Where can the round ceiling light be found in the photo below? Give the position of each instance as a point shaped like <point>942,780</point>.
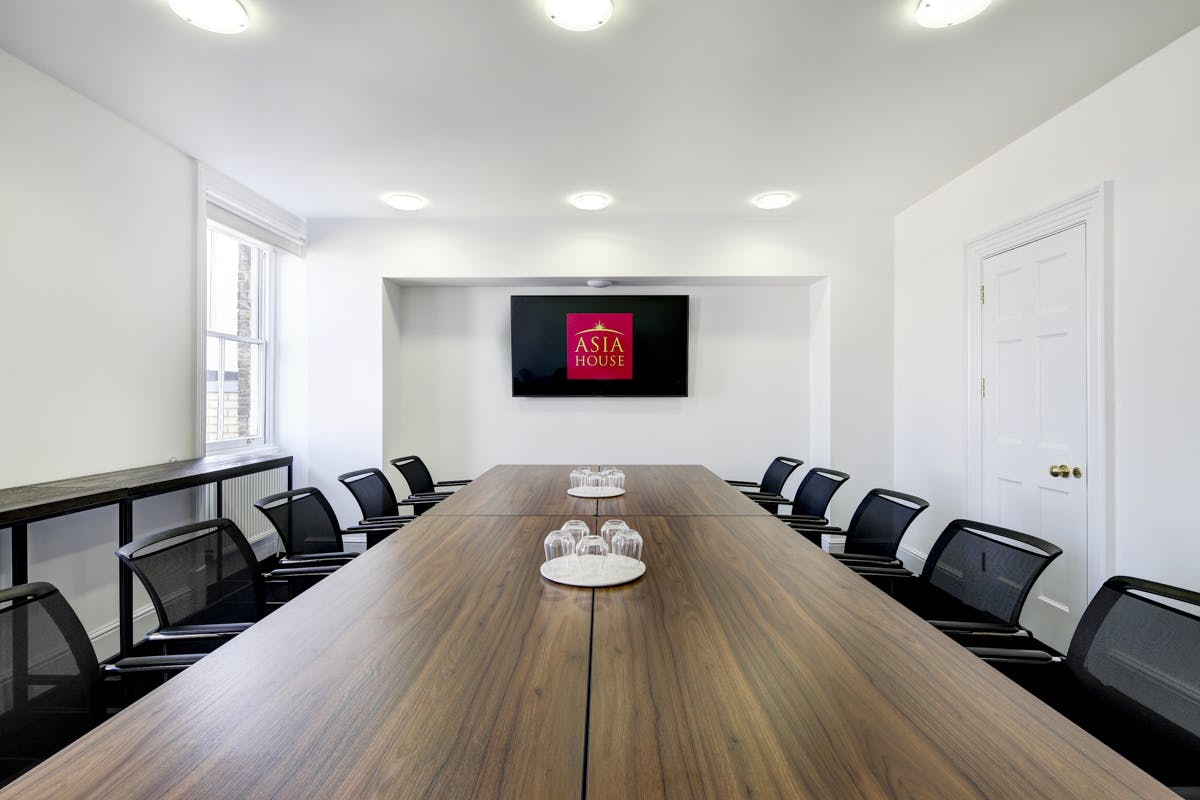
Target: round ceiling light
<point>218,16</point>
<point>579,15</point>
<point>944,13</point>
<point>590,201</point>
<point>773,200</point>
<point>405,202</point>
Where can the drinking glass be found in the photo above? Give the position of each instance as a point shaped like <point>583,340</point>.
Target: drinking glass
<point>596,480</point>
<point>579,477</point>
<point>559,544</point>
<point>615,478</point>
<point>593,553</point>
<point>577,529</point>
<point>609,528</point>
<point>628,543</point>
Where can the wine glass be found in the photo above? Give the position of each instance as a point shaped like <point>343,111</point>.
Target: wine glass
<point>628,543</point>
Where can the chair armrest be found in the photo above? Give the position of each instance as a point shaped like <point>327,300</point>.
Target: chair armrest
<point>807,526</point>
<point>451,483</point>
<point>316,559</point>
<point>768,497</point>
<point>863,558</point>
<point>152,664</point>
<point>961,627</point>
<point>297,572</point>
<point>802,519</point>
<point>375,526</point>
<point>1014,656</point>
<point>751,484</point>
<point>177,633</point>
<point>397,519</point>
<point>878,571</point>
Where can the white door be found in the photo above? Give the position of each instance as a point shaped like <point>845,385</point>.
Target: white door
<point>1034,415</point>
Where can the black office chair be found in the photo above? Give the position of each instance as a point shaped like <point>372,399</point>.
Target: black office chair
<point>422,489</point>
<point>205,582</point>
<point>813,495</point>
<point>767,491</point>
<point>309,529</point>
<point>875,530</point>
<point>975,580</point>
<point>1131,676</point>
<point>51,683</point>
<point>374,496</point>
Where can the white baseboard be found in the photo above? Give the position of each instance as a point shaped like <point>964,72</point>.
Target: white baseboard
<point>913,560</point>
<point>107,640</point>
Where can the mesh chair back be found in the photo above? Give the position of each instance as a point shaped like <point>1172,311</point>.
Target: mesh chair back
<point>777,474</point>
<point>1136,655</point>
<point>199,574</point>
<point>816,490</point>
<point>415,473</point>
<point>880,521</point>
<point>987,568</point>
<point>304,521</point>
<point>372,491</point>
<point>49,677</point>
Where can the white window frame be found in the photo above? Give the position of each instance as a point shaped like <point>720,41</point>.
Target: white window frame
<point>266,326</point>
<point>248,215</point>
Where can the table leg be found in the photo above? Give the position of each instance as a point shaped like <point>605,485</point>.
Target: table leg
<point>19,553</point>
<point>125,580</point>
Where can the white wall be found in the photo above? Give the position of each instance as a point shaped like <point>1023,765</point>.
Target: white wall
<point>349,260</point>
<point>97,241</point>
<point>448,375</point>
<point>1142,132</point>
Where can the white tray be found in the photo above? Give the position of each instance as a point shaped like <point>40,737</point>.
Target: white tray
<point>595,491</point>
<point>585,571</point>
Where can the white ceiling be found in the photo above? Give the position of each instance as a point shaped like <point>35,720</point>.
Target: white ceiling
<point>675,107</point>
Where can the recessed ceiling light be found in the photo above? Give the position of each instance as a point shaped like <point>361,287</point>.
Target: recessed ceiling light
<point>579,15</point>
<point>590,201</point>
<point>944,13</point>
<point>218,16</point>
<point>405,202</point>
<point>773,200</point>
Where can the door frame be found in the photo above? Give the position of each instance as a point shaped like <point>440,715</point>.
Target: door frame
<point>1092,209</point>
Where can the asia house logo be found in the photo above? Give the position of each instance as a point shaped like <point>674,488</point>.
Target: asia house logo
<point>599,347</point>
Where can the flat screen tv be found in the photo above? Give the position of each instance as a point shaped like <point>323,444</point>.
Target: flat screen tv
<point>615,346</point>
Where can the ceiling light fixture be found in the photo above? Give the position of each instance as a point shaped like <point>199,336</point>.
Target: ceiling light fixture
<point>773,200</point>
<point>944,13</point>
<point>218,16</point>
<point>590,201</point>
<point>599,283</point>
<point>405,202</point>
<point>579,15</point>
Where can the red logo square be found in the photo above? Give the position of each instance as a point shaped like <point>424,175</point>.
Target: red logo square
<point>599,347</point>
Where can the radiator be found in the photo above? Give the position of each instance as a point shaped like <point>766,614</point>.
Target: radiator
<point>238,496</point>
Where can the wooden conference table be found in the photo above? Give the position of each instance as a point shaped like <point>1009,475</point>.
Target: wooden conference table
<point>745,662</point>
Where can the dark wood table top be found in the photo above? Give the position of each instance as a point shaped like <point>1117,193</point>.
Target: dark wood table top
<point>746,662</point>
<point>678,490</point>
<point>518,490</point>
<point>54,498</point>
<point>438,664</point>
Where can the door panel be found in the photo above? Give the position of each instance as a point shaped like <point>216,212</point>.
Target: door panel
<point>1034,414</point>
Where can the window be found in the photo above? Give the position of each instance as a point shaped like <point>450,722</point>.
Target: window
<point>236,339</point>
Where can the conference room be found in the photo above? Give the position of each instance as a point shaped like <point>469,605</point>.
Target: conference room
<point>804,295</point>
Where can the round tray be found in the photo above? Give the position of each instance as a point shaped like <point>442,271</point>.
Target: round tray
<point>581,570</point>
<point>595,491</point>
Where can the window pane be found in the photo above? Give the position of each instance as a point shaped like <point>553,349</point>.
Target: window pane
<point>233,283</point>
<point>212,388</point>
<point>242,391</point>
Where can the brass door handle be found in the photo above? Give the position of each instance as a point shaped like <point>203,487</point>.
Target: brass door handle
<point>1077,472</point>
<point>1060,471</point>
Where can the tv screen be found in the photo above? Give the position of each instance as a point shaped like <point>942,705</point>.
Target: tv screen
<point>616,345</point>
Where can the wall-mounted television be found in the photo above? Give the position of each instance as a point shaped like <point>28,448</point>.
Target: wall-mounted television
<point>615,345</point>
